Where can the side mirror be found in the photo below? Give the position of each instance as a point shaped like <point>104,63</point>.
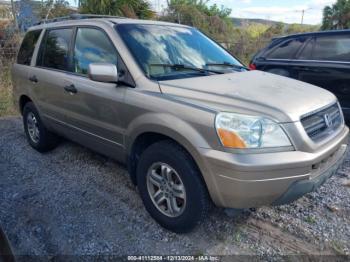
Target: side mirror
<point>103,72</point>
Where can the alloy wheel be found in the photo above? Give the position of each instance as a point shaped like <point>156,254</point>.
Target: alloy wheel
<point>166,189</point>
<point>33,127</point>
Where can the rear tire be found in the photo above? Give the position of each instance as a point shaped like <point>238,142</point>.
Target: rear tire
<point>38,136</point>
<point>183,187</point>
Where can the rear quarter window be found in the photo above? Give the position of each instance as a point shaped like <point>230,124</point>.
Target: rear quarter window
<point>286,50</point>
<point>306,52</point>
<point>27,48</point>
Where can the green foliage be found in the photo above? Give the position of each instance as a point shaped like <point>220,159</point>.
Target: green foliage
<point>298,28</point>
<point>310,220</point>
<point>337,16</point>
<point>256,30</point>
<point>212,20</point>
<point>6,100</point>
<point>200,5</point>
<point>248,40</point>
<point>128,8</point>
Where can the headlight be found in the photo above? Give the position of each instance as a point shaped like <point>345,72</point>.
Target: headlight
<point>243,131</point>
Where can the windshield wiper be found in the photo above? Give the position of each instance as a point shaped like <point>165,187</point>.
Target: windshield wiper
<point>184,67</point>
<point>228,65</point>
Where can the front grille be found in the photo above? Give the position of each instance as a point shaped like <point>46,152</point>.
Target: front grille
<point>323,123</point>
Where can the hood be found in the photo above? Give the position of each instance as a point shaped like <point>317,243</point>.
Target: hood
<point>252,92</point>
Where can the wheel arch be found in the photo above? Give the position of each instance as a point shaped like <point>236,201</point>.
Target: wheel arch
<point>23,100</point>
<point>150,129</point>
<point>146,139</point>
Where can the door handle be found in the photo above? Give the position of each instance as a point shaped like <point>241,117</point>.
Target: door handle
<point>33,79</point>
<point>308,69</point>
<point>71,89</point>
<point>302,68</point>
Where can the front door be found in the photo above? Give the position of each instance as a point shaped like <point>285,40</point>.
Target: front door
<point>327,64</point>
<point>94,109</point>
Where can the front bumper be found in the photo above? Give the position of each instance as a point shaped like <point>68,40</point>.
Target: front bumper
<point>302,187</point>
<point>252,180</point>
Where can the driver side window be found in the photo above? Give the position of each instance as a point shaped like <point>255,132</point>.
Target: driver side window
<point>92,46</point>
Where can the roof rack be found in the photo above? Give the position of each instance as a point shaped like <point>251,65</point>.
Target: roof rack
<point>75,16</point>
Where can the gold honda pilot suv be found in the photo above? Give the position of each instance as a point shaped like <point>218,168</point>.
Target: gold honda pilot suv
<point>193,125</point>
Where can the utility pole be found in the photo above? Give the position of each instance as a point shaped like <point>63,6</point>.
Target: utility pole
<point>14,14</point>
<point>302,16</point>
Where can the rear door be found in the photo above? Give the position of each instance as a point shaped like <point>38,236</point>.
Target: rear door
<point>325,62</point>
<point>52,67</point>
<point>302,66</point>
<point>22,69</point>
<point>277,60</point>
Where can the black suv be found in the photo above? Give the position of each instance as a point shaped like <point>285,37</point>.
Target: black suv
<point>319,58</point>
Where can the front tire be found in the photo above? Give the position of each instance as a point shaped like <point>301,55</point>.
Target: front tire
<point>38,136</point>
<point>171,187</point>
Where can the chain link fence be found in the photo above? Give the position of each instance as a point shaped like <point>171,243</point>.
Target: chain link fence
<point>245,49</point>
<point>9,44</point>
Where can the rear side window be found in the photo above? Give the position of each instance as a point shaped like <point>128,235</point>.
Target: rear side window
<point>332,48</point>
<point>55,49</point>
<point>306,52</point>
<point>286,50</point>
<point>27,48</point>
<point>92,46</point>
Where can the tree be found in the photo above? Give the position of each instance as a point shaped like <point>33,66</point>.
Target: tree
<point>128,8</point>
<point>337,16</point>
<point>327,22</point>
<point>55,8</point>
<point>177,6</point>
<point>212,20</point>
<point>14,14</point>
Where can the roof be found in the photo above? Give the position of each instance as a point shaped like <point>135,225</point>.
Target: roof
<point>328,32</point>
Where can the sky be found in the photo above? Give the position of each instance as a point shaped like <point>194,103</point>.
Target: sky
<point>288,11</point>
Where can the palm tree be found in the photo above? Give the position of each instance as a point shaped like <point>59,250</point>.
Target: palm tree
<point>337,16</point>
<point>327,22</point>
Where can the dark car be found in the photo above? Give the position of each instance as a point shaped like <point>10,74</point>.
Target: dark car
<point>319,58</point>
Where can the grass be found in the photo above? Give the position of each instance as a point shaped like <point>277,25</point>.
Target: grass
<point>310,220</point>
<point>7,107</point>
<point>238,237</point>
<point>337,247</point>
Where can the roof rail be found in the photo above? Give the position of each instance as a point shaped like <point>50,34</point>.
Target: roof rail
<point>75,16</point>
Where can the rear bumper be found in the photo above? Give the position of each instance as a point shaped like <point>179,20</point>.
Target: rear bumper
<point>252,180</point>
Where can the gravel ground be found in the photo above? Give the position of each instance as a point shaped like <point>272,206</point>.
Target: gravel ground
<point>73,201</point>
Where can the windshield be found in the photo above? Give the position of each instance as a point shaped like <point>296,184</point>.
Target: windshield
<point>172,52</point>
